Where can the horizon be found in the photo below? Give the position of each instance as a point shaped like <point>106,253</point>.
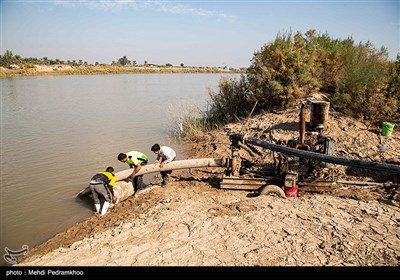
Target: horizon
<point>194,33</point>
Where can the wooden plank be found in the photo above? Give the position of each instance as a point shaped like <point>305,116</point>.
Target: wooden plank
<point>240,187</point>
<point>314,189</point>
<point>243,181</point>
<point>326,184</point>
<point>359,183</point>
<point>240,183</point>
<point>316,186</point>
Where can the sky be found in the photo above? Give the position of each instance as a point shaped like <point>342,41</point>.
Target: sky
<point>195,33</point>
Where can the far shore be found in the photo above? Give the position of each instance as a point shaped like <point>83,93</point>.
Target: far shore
<point>62,69</point>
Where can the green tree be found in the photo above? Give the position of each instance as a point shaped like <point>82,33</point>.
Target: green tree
<point>7,59</point>
<point>123,60</point>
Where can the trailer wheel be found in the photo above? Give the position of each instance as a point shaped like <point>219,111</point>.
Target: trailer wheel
<point>273,189</point>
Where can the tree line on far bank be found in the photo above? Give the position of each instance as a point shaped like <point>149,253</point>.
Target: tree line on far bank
<point>8,59</point>
<point>358,79</point>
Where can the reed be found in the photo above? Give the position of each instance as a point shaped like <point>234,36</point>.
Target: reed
<point>190,123</point>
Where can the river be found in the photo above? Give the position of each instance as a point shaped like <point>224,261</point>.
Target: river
<point>58,131</point>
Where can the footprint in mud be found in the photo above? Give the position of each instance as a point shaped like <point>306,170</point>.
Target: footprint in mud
<point>216,212</point>
<point>233,209</point>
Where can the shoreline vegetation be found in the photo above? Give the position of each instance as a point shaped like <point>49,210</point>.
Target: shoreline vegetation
<point>358,80</point>
<point>17,70</point>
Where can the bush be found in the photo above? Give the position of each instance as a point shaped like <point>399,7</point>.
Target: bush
<point>233,101</point>
<point>363,90</point>
<point>359,79</point>
<point>280,72</point>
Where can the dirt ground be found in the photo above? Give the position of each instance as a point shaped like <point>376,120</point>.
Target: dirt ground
<point>193,222</point>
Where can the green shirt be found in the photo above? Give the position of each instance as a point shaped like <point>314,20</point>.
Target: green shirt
<point>134,158</point>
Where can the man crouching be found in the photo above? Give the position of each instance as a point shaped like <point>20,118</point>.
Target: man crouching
<point>102,185</point>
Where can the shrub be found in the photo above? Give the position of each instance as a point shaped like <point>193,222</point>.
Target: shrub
<point>233,101</point>
<point>359,79</point>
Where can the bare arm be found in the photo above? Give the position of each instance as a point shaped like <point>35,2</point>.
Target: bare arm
<point>136,170</point>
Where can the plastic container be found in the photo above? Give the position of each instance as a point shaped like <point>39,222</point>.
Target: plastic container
<point>387,128</point>
<point>291,191</point>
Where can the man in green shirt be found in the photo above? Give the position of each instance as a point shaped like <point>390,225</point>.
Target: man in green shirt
<point>135,160</point>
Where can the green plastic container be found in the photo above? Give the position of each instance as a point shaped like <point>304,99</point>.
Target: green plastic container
<point>387,128</point>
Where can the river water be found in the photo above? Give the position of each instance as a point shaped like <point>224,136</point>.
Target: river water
<point>57,132</point>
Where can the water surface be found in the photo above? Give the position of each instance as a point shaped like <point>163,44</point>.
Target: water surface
<point>57,132</point>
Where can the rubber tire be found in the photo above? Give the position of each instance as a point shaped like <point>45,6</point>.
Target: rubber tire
<point>273,189</point>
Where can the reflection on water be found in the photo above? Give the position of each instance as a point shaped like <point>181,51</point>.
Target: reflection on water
<point>57,132</point>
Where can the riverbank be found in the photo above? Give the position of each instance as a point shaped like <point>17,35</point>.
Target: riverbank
<point>194,223</point>
<point>61,69</point>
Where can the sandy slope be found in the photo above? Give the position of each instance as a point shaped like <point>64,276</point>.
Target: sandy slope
<point>198,225</point>
<point>193,222</point>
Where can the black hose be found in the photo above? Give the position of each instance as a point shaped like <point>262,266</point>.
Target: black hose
<point>380,166</point>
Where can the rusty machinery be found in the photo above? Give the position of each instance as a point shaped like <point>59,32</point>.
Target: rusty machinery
<point>297,162</point>
<point>293,167</point>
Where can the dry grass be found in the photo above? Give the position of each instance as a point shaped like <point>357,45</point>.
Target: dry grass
<point>189,123</point>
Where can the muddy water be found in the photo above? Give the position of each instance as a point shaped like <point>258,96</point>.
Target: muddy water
<point>56,132</point>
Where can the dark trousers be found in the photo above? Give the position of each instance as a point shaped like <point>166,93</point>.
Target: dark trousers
<point>137,182</point>
<point>165,174</point>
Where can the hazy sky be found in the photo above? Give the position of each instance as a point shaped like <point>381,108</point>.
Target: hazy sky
<point>196,33</point>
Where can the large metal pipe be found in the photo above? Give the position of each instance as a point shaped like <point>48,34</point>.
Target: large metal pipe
<point>123,189</point>
<point>379,166</point>
<point>179,164</point>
